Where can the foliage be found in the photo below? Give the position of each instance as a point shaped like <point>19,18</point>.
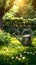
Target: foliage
<point>18,24</point>
<point>15,53</point>
<point>35,33</point>
<point>18,55</point>
<point>4,38</point>
<point>21,8</point>
<point>12,52</point>
<point>18,11</point>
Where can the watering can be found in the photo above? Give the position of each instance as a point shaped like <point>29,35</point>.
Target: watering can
<point>26,37</point>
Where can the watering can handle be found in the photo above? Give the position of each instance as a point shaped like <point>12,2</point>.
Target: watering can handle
<point>25,30</point>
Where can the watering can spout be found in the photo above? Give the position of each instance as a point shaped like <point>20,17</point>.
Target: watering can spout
<point>20,39</point>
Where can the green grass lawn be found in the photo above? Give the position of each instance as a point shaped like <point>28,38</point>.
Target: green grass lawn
<point>17,54</point>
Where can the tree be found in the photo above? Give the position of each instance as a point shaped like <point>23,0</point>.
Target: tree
<point>22,6</point>
<point>19,8</point>
<point>4,6</point>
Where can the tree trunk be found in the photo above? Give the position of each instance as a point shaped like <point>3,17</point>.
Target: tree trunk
<point>34,4</point>
<point>2,8</point>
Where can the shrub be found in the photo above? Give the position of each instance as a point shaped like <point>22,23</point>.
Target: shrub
<point>4,38</point>
<point>11,25</point>
<point>35,33</point>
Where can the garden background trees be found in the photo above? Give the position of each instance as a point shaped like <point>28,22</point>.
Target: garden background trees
<point>20,7</point>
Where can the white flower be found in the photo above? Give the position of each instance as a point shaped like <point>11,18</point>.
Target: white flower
<point>16,57</point>
<point>19,58</point>
<point>23,58</point>
<point>33,53</point>
<point>24,52</point>
<point>20,55</point>
<point>12,57</point>
<point>27,52</point>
